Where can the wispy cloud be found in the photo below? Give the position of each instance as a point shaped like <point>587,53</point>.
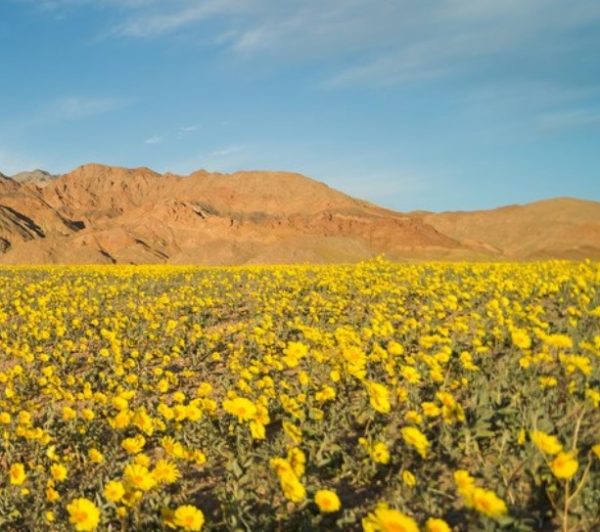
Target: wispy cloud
<point>226,151</point>
<point>168,17</point>
<point>156,139</point>
<point>61,110</point>
<point>522,111</point>
<point>363,43</point>
<point>569,119</point>
<point>189,129</point>
<point>77,107</point>
<point>520,94</point>
<point>178,134</point>
<point>459,36</point>
<point>224,159</point>
<point>421,61</point>
<point>184,131</point>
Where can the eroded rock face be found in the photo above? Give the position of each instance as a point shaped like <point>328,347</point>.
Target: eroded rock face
<point>103,214</point>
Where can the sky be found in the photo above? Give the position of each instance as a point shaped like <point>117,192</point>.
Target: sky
<point>412,104</point>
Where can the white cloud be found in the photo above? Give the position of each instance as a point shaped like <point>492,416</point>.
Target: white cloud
<point>57,5</point>
<point>169,17</point>
<point>76,107</point>
<point>380,42</point>
<point>66,109</point>
<point>425,60</point>
<point>528,94</point>
<point>226,159</point>
<point>224,152</point>
<point>518,111</point>
<point>555,122</point>
<point>181,132</point>
<point>189,129</point>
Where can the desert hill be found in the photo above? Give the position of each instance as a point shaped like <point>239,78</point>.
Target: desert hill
<point>103,214</point>
<point>561,227</point>
<point>39,177</point>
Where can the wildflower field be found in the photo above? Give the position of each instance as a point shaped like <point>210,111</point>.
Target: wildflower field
<point>376,397</point>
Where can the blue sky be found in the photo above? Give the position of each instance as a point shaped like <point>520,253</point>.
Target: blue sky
<point>413,104</point>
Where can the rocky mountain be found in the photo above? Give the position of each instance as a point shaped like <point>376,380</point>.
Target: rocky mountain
<point>103,214</point>
<point>39,177</point>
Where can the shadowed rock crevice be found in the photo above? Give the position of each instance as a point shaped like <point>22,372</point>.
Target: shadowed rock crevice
<point>108,256</point>
<point>152,250</point>
<point>30,228</point>
<point>5,245</point>
<point>74,225</point>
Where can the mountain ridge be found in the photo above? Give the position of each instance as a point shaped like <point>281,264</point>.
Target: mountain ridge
<point>105,214</point>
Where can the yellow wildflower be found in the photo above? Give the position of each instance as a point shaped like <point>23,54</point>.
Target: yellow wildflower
<point>564,465</point>
<point>165,472</point>
<point>114,491</point>
<point>385,519</point>
<point>189,518</point>
<point>17,474</point>
<point>379,397</point>
<point>83,514</point>
<point>139,477</point>
<point>437,525</point>
<point>58,472</point>
<point>415,438</point>
<point>327,501</point>
<point>240,407</point>
<point>545,442</point>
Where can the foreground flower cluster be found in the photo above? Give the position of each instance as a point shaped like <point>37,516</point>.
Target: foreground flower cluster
<point>376,397</point>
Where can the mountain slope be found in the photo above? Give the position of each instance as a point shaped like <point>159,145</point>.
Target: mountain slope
<point>561,227</point>
<point>103,214</point>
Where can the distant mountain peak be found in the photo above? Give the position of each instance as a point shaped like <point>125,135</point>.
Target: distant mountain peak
<point>38,177</point>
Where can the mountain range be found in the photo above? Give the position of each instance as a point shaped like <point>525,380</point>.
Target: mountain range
<point>104,214</point>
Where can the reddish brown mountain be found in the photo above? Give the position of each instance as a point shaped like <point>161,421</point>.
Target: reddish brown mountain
<point>102,214</point>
